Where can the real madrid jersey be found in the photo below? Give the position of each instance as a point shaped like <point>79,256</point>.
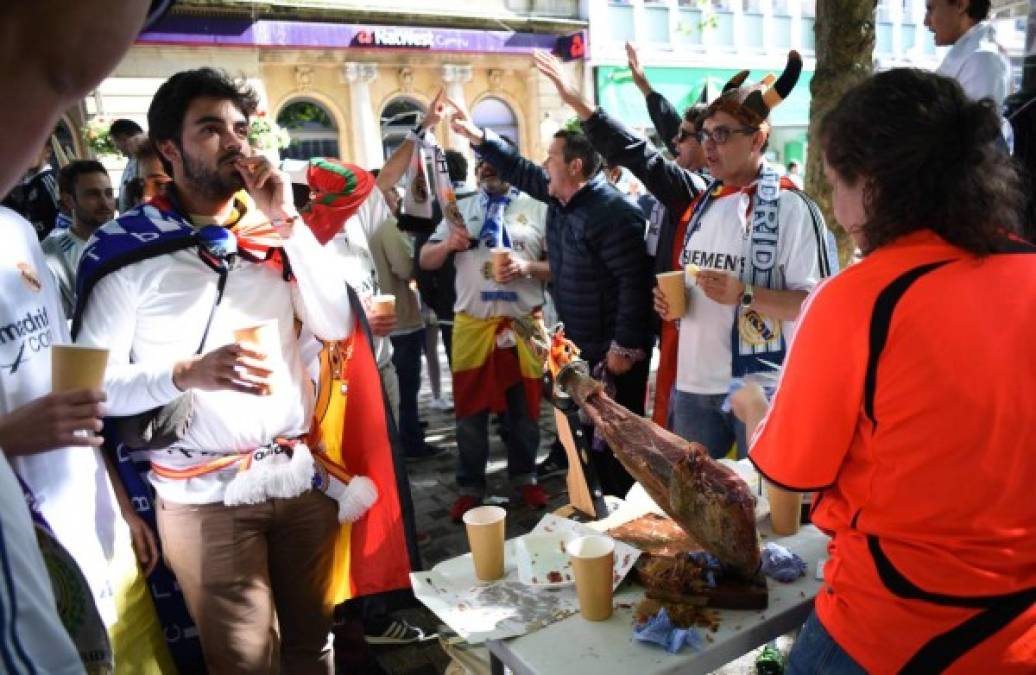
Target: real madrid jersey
<point>477,293</point>
<point>720,243</point>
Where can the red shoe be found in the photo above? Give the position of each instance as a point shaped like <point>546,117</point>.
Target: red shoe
<point>534,496</point>
<point>463,504</point>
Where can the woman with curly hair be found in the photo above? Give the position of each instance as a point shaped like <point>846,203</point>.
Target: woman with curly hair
<point>908,400</point>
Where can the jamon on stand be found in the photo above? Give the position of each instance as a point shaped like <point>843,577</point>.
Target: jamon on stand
<point>704,497</point>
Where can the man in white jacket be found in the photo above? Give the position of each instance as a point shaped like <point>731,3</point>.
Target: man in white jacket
<point>975,59</point>
<point>169,323</point>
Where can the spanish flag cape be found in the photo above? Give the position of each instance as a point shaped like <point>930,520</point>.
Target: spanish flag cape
<point>376,553</point>
<point>482,373</point>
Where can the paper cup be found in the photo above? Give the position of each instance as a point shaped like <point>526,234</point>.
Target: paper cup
<point>485,525</point>
<point>593,561</point>
<point>501,257</point>
<point>266,337</point>
<point>384,305</point>
<point>675,291</point>
<point>73,367</point>
<point>785,510</point>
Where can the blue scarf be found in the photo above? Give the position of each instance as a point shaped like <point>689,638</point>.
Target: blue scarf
<point>757,341</point>
<point>494,232</point>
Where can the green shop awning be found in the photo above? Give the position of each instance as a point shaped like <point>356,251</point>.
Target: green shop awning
<point>617,94</point>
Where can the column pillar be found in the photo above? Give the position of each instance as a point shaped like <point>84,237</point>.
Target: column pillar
<point>365,129</point>
<point>455,76</point>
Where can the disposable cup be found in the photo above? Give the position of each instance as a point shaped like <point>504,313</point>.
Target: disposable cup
<point>593,561</point>
<point>485,526</point>
<point>74,367</point>
<point>675,291</point>
<point>501,258</point>
<point>265,336</point>
<point>384,304</point>
<point>785,510</point>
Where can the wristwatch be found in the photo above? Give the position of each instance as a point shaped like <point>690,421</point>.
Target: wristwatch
<point>747,296</point>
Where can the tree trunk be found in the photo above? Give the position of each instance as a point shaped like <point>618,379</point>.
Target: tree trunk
<point>844,32</point>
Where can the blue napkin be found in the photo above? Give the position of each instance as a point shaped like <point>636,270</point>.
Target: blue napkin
<point>781,564</point>
<point>659,629</point>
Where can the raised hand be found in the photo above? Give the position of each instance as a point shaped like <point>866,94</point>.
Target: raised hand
<point>53,421</point>
<point>460,122</point>
<point>552,69</point>
<point>639,79</point>
<point>436,110</point>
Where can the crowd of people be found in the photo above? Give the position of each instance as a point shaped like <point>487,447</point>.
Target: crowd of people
<point>241,477</point>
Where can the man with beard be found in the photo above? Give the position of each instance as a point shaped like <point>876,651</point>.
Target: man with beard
<point>242,529</point>
<point>493,368</point>
<point>86,191</point>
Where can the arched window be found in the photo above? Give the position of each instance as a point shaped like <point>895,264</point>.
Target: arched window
<point>400,115</point>
<point>312,130</point>
<point>493,113</point>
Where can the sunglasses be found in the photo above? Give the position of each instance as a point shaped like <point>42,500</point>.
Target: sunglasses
<point>721,135</point>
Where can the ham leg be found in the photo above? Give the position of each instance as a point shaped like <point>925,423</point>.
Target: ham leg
<point>705,498</point>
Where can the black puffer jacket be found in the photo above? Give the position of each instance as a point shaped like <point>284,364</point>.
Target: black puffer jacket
<point>600,273</point>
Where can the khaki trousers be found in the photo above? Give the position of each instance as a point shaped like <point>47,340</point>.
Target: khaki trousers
<point>245,569</point>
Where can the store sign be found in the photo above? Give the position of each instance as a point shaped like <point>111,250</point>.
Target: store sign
<point>223,32</point>
<point>405,38</point>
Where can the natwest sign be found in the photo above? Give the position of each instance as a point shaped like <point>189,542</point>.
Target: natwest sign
<point>406,38</point>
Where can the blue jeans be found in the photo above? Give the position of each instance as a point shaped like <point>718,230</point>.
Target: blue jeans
<point>699,418</point>
<point>523,440</point>
<point>406,357</point>
<point>815,651</point>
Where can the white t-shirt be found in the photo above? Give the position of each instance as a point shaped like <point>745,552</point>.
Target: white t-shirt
<point>71,485</point>
<point>352,244</point>
<point>62,249</point>
<point>704,357</point>
<point>477,293</point>
<point>26,595</point>
<point>151,314</point>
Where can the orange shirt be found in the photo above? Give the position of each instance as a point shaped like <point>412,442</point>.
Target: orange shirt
<point>926,466</point>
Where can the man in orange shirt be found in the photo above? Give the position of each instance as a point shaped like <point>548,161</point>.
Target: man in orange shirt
<point>908,397</point>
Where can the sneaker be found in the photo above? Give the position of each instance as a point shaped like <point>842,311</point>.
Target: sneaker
<point>396,632</point>
<point>550,467</point>
<point>441,404</point>
<point>534,496</point>
<point>463,504</point>
<point>424,451</point>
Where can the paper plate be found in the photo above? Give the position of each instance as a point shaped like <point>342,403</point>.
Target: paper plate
<point>542,560</point>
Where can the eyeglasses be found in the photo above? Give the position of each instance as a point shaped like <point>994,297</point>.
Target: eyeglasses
<point>683,134</point>
<point>721,135</point>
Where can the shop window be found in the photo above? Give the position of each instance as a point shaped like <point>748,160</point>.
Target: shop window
<point>492,113</point>
<point>399,116</point>
<point>312,129</point>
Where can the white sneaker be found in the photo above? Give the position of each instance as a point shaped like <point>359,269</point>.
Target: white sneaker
<point>441,404</point>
